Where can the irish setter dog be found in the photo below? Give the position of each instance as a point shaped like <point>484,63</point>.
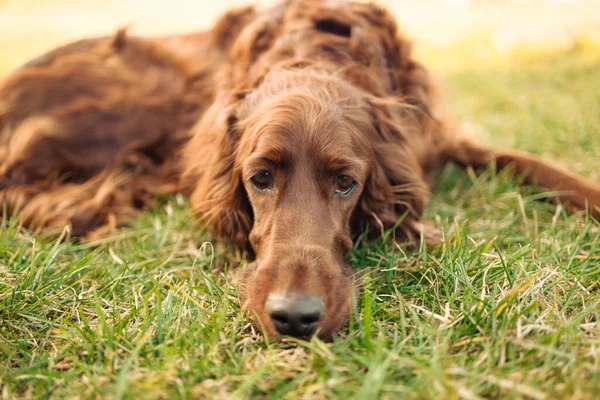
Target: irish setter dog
<point>292,130</point>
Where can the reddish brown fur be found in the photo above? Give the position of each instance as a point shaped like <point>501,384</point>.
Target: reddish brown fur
<point>308,90</point>
<point>90,132</point>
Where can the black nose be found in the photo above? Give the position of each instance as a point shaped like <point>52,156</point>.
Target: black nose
<point>295,315</point>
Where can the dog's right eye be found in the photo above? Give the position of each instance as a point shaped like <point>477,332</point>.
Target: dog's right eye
<point>344,184</point>
<point>263,180</point>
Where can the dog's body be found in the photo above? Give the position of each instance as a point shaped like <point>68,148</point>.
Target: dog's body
<point>92,131</point>
<point>315,125</point>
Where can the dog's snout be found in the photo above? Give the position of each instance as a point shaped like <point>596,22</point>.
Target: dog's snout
<point>295,315</point>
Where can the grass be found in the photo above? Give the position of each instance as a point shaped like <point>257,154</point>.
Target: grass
<point>507,307</point>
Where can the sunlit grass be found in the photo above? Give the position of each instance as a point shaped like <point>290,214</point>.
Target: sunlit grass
<point>507,307</point>
<point>540,100</point>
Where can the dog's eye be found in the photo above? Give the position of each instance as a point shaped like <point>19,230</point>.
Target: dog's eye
<point>344,185</point>
<point>263,180</point>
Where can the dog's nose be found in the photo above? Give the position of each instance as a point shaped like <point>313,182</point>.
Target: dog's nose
<point>295,315</point>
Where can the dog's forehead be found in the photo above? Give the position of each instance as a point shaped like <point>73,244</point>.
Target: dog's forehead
<point>322,140</point>
<point>306,125</point>
<point>310,155</point>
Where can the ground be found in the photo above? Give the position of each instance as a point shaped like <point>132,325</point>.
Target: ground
<point>507,307</point>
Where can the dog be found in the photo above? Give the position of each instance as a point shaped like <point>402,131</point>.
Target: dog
<point>293,130</point>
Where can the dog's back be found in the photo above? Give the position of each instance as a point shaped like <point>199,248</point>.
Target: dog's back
<point>90,131</point>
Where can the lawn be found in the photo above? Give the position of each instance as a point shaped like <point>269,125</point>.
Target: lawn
<point>507,307</point>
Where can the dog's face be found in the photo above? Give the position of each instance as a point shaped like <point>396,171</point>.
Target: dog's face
<point>303,166</point>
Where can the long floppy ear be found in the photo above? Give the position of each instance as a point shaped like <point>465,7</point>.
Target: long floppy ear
<point>215,187</point>
<point>396,192</point>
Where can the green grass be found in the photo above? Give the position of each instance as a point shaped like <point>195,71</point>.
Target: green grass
<point>507,307</point>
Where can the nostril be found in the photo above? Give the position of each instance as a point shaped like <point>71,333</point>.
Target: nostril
<point>295,315</point>
<point>279,317</point>
<point>281,321</point>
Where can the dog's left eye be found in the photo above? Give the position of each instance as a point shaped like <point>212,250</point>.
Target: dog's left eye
<point>344,185</point>
<point>263,180</point>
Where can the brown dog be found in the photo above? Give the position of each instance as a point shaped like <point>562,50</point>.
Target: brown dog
<point>316,125</point>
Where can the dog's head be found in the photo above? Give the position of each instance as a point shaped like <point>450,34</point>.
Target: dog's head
<point>294,170</point>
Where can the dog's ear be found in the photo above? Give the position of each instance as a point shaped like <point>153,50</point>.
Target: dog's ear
<point>396,191</point>
<point>215,187</point>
